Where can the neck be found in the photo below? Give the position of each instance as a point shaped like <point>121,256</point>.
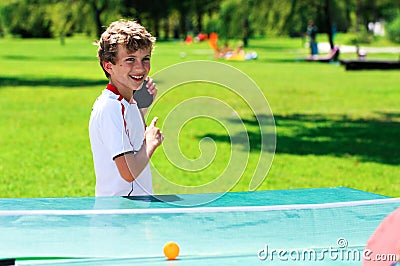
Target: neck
<point>126,95</point>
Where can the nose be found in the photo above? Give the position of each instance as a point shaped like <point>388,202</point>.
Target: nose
<point>139,66</point>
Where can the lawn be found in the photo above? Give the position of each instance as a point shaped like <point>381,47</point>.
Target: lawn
<point>333,127</point>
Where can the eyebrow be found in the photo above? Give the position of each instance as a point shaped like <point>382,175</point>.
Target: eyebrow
<point>131,55</point>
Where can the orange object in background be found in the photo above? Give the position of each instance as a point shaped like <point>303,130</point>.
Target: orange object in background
<point>213,41</point>
<point>189,39</point>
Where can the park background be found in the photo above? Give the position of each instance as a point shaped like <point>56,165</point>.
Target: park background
<point>334,127</point>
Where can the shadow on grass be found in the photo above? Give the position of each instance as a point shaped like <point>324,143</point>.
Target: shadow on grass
<point>52,58</point>
<point>370,140</point>
<point>51,82</point>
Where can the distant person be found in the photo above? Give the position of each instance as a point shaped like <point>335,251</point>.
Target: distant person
<point>238,54</point>
<point>312,36</point>
<point>121,143</point>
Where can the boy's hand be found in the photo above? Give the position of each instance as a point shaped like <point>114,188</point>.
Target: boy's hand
<point>151,87</point>
<point>153,137</point>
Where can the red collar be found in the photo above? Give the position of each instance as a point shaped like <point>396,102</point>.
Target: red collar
<point>112,88</point>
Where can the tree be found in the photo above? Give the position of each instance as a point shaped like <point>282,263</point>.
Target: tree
<point>393,29</point>
<point>150,14</point>
<point>289,21</point>
<point>64,16</point>
<point>328,19</point>
<point>202,8</point>
<point>98,7</point>
<point>183,7</point>
<point>231,18</point>
<point>26,18</point>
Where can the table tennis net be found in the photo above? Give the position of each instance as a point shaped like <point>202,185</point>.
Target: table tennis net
<point>245,234</point>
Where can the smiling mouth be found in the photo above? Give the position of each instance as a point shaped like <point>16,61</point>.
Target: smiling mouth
<point>137,78</point>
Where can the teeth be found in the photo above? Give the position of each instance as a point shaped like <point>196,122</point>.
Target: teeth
<point>137,77</point>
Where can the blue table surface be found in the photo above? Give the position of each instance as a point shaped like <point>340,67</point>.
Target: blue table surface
<point>226,238</point>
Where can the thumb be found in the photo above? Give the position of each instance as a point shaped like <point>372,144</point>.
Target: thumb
<point>154,121</point>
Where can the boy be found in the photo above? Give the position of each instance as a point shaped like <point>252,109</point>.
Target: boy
<point>121,143</point>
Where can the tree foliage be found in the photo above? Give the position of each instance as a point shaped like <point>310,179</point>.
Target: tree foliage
<point>178,18</point>
<point>393,29</point>
<point>26,18</point>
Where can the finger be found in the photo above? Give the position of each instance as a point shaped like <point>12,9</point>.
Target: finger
<point>150,85</point>
<point>149,81</point>
<point>154,121</point>
<point>151,88</point>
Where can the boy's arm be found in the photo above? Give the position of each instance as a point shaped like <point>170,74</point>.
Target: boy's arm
<point>143,111</point>
<point>131,165</point>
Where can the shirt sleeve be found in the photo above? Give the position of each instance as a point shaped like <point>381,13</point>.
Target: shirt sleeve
<point>112,130</point>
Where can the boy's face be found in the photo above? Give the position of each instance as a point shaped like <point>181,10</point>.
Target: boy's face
<point>130,68</point>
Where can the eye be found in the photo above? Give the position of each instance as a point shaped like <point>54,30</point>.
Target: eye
<point>146,59</point>
<point>130,59</point>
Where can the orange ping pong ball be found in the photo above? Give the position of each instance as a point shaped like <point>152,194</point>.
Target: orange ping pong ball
<point>171,250</point>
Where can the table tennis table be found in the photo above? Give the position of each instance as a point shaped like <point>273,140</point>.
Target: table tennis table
<point>316,226</point>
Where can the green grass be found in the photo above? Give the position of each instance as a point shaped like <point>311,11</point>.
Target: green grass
<point>334,128</point>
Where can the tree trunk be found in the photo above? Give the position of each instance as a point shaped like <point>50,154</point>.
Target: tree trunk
<point>156,22</point>
<point>246,29</point>
<point>199,22</point>
<point>289,19</point>
<point>97,20</point>
<point>166,29</point>
<point>327,10</point>
<point>182,24</point>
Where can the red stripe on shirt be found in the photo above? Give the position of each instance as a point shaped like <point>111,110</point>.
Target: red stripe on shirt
<point>114,89</point>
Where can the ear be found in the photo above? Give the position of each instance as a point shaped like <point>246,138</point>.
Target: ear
<point>107,66</point>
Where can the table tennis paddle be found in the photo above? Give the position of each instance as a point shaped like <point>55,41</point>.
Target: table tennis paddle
<point>142,96</point>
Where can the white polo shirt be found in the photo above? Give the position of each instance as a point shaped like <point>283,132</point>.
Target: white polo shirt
<point>116,127</point>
